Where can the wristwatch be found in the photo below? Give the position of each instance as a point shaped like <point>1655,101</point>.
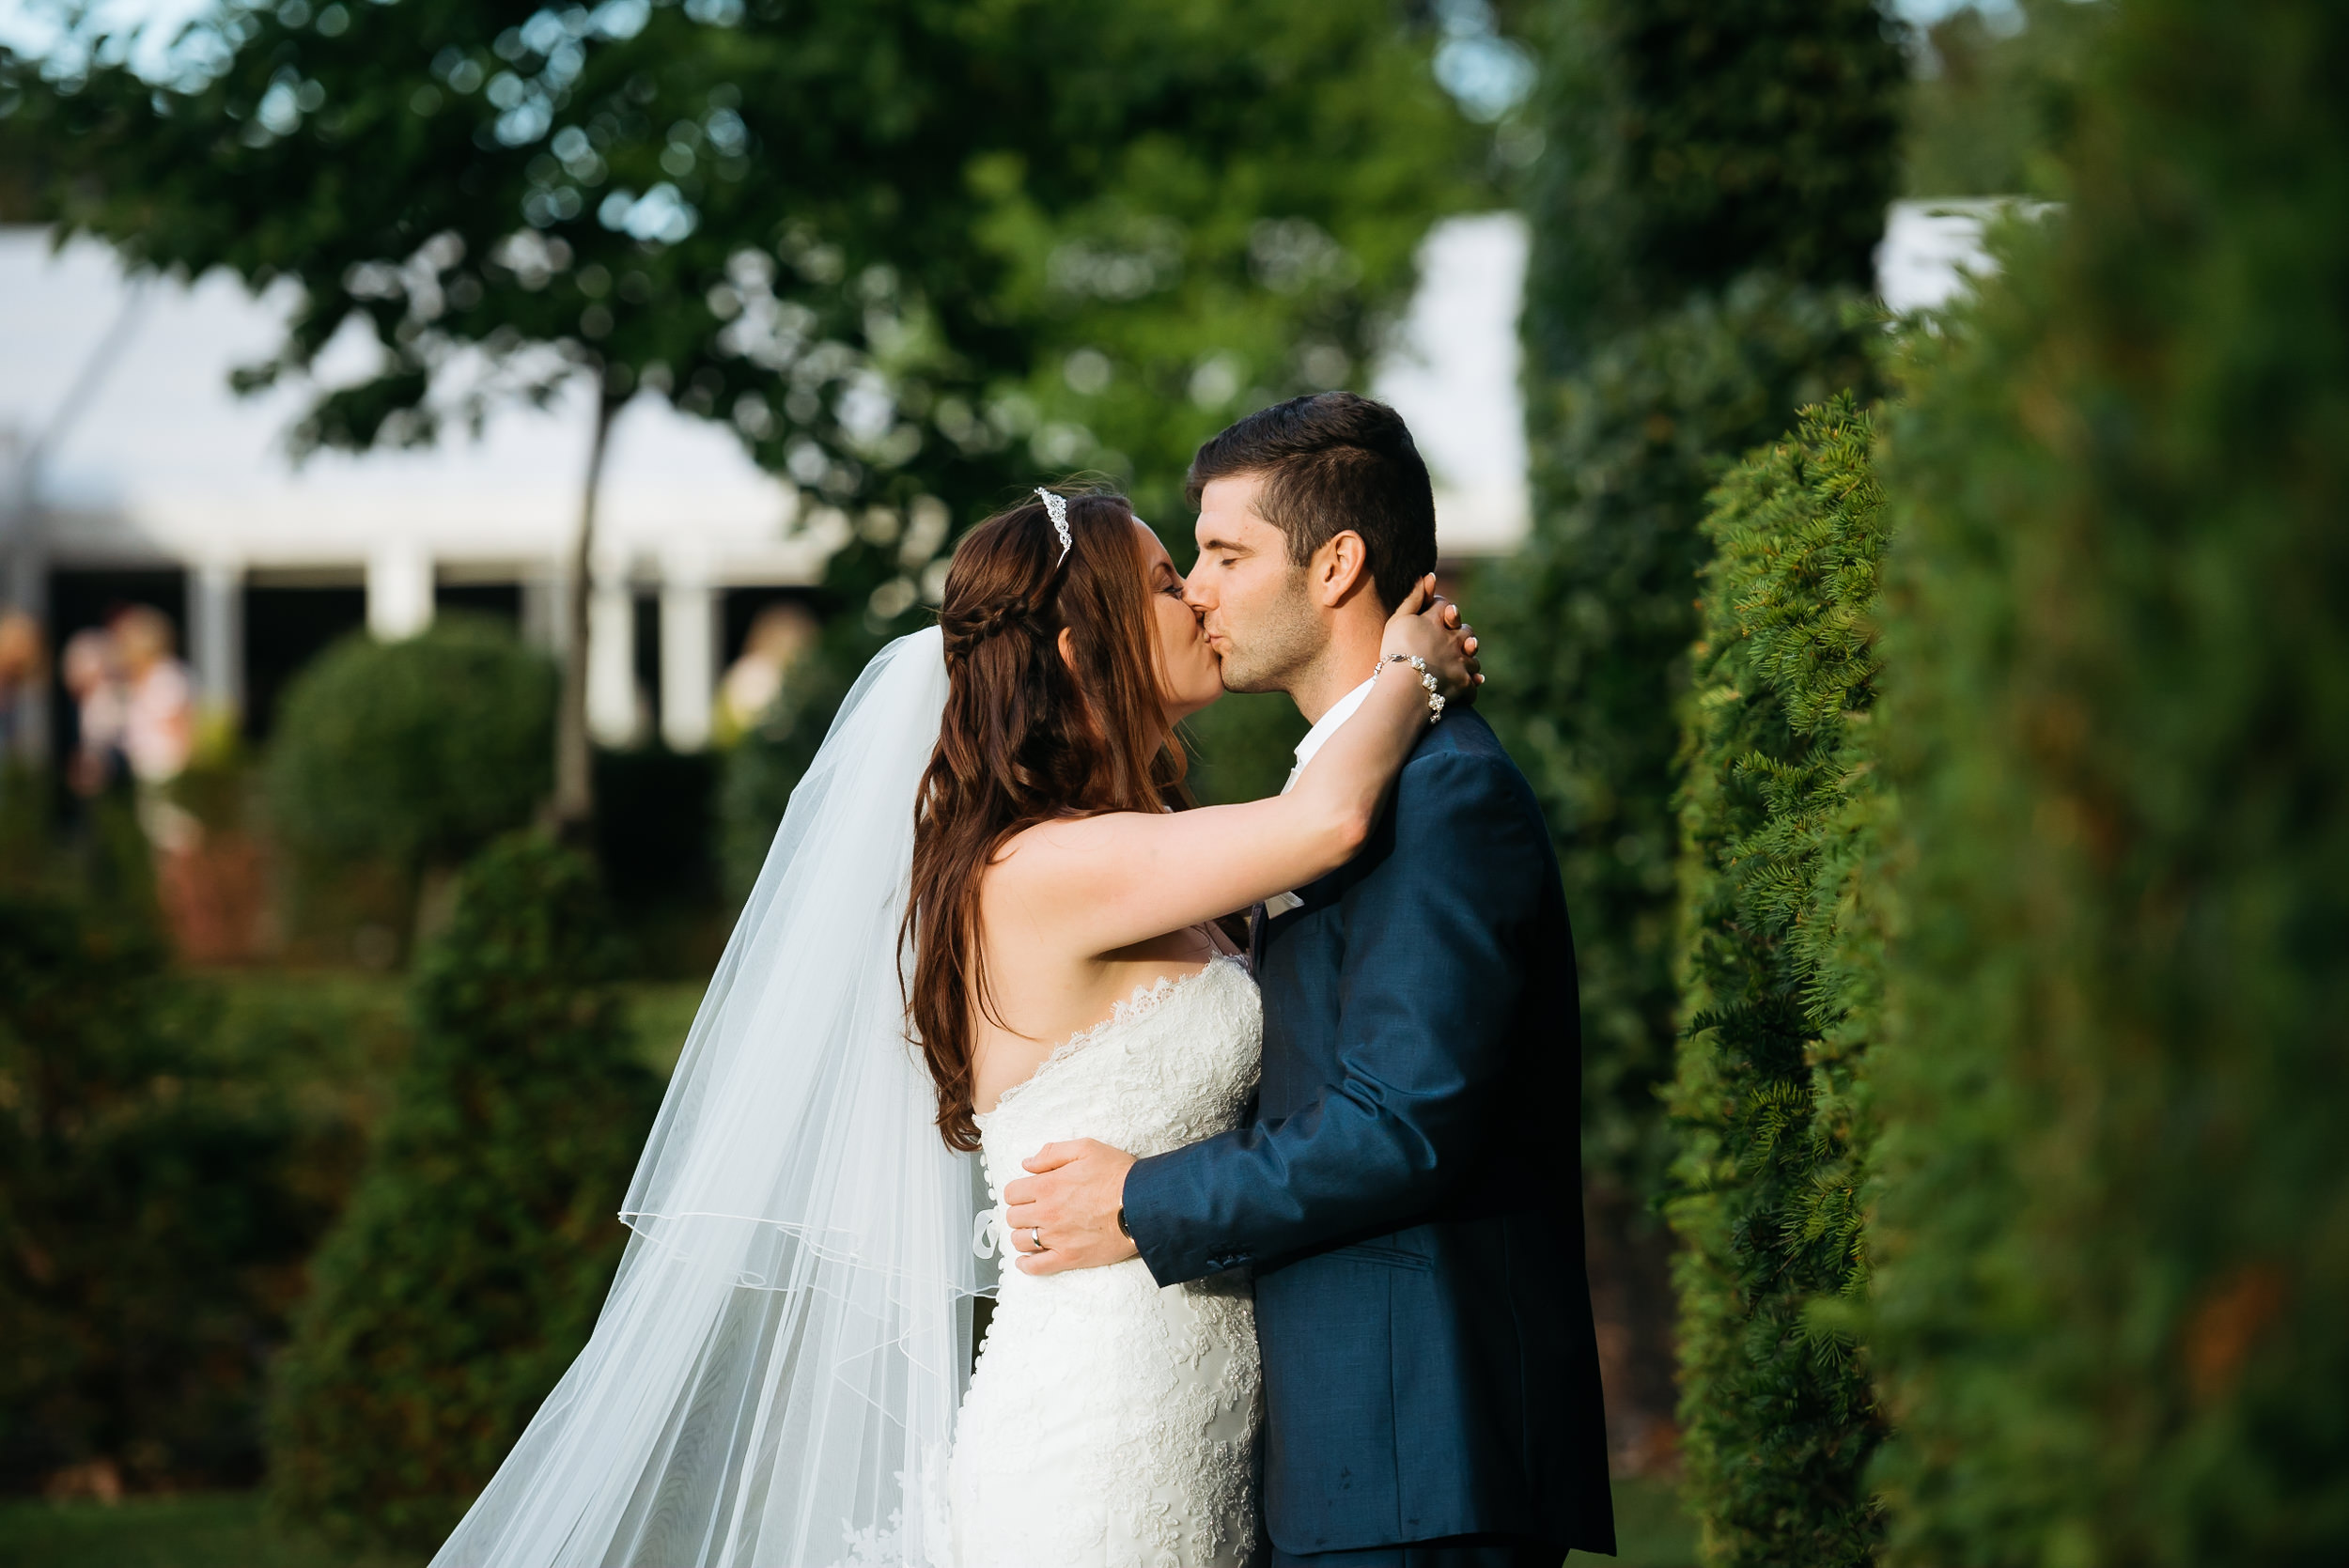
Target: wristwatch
<point>1121,1223</point>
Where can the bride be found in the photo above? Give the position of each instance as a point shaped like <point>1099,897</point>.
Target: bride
<point>989,858</point>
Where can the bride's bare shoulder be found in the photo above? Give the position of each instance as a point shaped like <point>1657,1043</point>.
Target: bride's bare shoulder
<point>1054,870</point>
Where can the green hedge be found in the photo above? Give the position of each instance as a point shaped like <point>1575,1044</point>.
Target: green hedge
<point>1778,962</point>
<point>415,751</point>
<point>157,1197</point>
<point>470,1264</point>
<point>2112,1249</point>
<point>1712,184</point>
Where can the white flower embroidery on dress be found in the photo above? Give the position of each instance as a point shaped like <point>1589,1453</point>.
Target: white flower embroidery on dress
<point>1109,1421</point>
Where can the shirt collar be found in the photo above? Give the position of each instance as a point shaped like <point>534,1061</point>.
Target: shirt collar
<point>1326,726</point>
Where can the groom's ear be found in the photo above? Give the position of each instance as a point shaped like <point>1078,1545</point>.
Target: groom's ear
<point>1340,569</point>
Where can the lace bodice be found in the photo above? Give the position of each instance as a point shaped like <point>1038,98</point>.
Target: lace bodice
<point>1110,1423</point>
<point>1174,1064</point>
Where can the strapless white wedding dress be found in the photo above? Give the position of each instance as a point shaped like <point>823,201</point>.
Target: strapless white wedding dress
<point>1111,1423</point>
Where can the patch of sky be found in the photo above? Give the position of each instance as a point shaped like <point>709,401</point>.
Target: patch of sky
<point>1486,73</point>
<point>661,214</point>
<point>2004,12</point>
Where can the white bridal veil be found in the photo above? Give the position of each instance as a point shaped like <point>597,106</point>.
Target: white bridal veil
<point>775,1378</point>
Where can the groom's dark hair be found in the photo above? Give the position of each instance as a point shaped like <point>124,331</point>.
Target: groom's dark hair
<point>1333,461</point>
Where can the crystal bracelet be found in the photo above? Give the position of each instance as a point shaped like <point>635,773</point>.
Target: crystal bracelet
<point>1434,697</point>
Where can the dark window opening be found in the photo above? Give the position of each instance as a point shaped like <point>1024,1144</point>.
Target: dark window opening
<point>501,599</point>
<point>285,628</point>
<point>647,610</point>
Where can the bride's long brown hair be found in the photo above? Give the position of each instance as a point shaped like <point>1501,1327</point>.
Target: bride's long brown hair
<point>1028,736</point>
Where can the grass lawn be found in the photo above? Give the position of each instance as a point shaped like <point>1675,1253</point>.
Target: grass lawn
<point>231,1531</point>
<point>1650,1531</point>
<point>224,1529</point>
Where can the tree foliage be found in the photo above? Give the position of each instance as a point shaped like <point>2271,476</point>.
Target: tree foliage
<point>1993,98</point>
<point>1688,144</point>
<point>916,254</point>
<point>891,210</point>
<point>2113,1242</point>
<point>907,249</point>
<point>467,1270</point>
<point>1780,963</point>
<point>1713,182</point>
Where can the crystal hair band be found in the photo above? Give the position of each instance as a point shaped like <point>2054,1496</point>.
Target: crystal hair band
<point>1057,510</point>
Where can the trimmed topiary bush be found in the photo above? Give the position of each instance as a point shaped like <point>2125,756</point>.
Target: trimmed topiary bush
<point>474,1254</point>
<point>2112,1250</point>
<point>1780,962</point>
<point>418,752</point>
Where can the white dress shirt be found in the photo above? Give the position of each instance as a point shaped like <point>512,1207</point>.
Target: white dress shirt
<point>1316,738</point>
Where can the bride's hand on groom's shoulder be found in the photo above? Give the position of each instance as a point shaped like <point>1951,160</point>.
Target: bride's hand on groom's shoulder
<point>1428,625</point>
<point>1070,1200</point>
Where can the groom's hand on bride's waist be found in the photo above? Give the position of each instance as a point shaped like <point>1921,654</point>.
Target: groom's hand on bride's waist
<point>1071,1201</point>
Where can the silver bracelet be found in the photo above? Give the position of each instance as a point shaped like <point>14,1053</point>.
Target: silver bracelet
<point>1434,697</point>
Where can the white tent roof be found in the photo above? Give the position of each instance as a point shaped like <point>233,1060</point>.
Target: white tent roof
<point>160,459</point>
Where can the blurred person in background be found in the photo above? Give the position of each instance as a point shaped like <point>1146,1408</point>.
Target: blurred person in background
<point>158,723</point>
<point>92,672</point>
<point>23,665</point>
<point>779,637</point>
<point>158,696</point>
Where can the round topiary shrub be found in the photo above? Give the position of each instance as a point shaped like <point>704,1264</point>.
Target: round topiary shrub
<point>417,752</point>
<point>470,1264</point>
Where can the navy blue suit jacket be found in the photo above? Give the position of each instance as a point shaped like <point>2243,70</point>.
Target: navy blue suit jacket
<point>1408,1191</point>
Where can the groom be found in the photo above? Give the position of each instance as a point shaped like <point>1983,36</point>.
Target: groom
<point>1408,1193</point>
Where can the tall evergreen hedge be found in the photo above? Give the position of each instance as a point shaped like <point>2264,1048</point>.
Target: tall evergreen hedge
<point>2112,1249</point>
<point>1712,186</point>
<point>470,1264</point>
<point>1779,959</point>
